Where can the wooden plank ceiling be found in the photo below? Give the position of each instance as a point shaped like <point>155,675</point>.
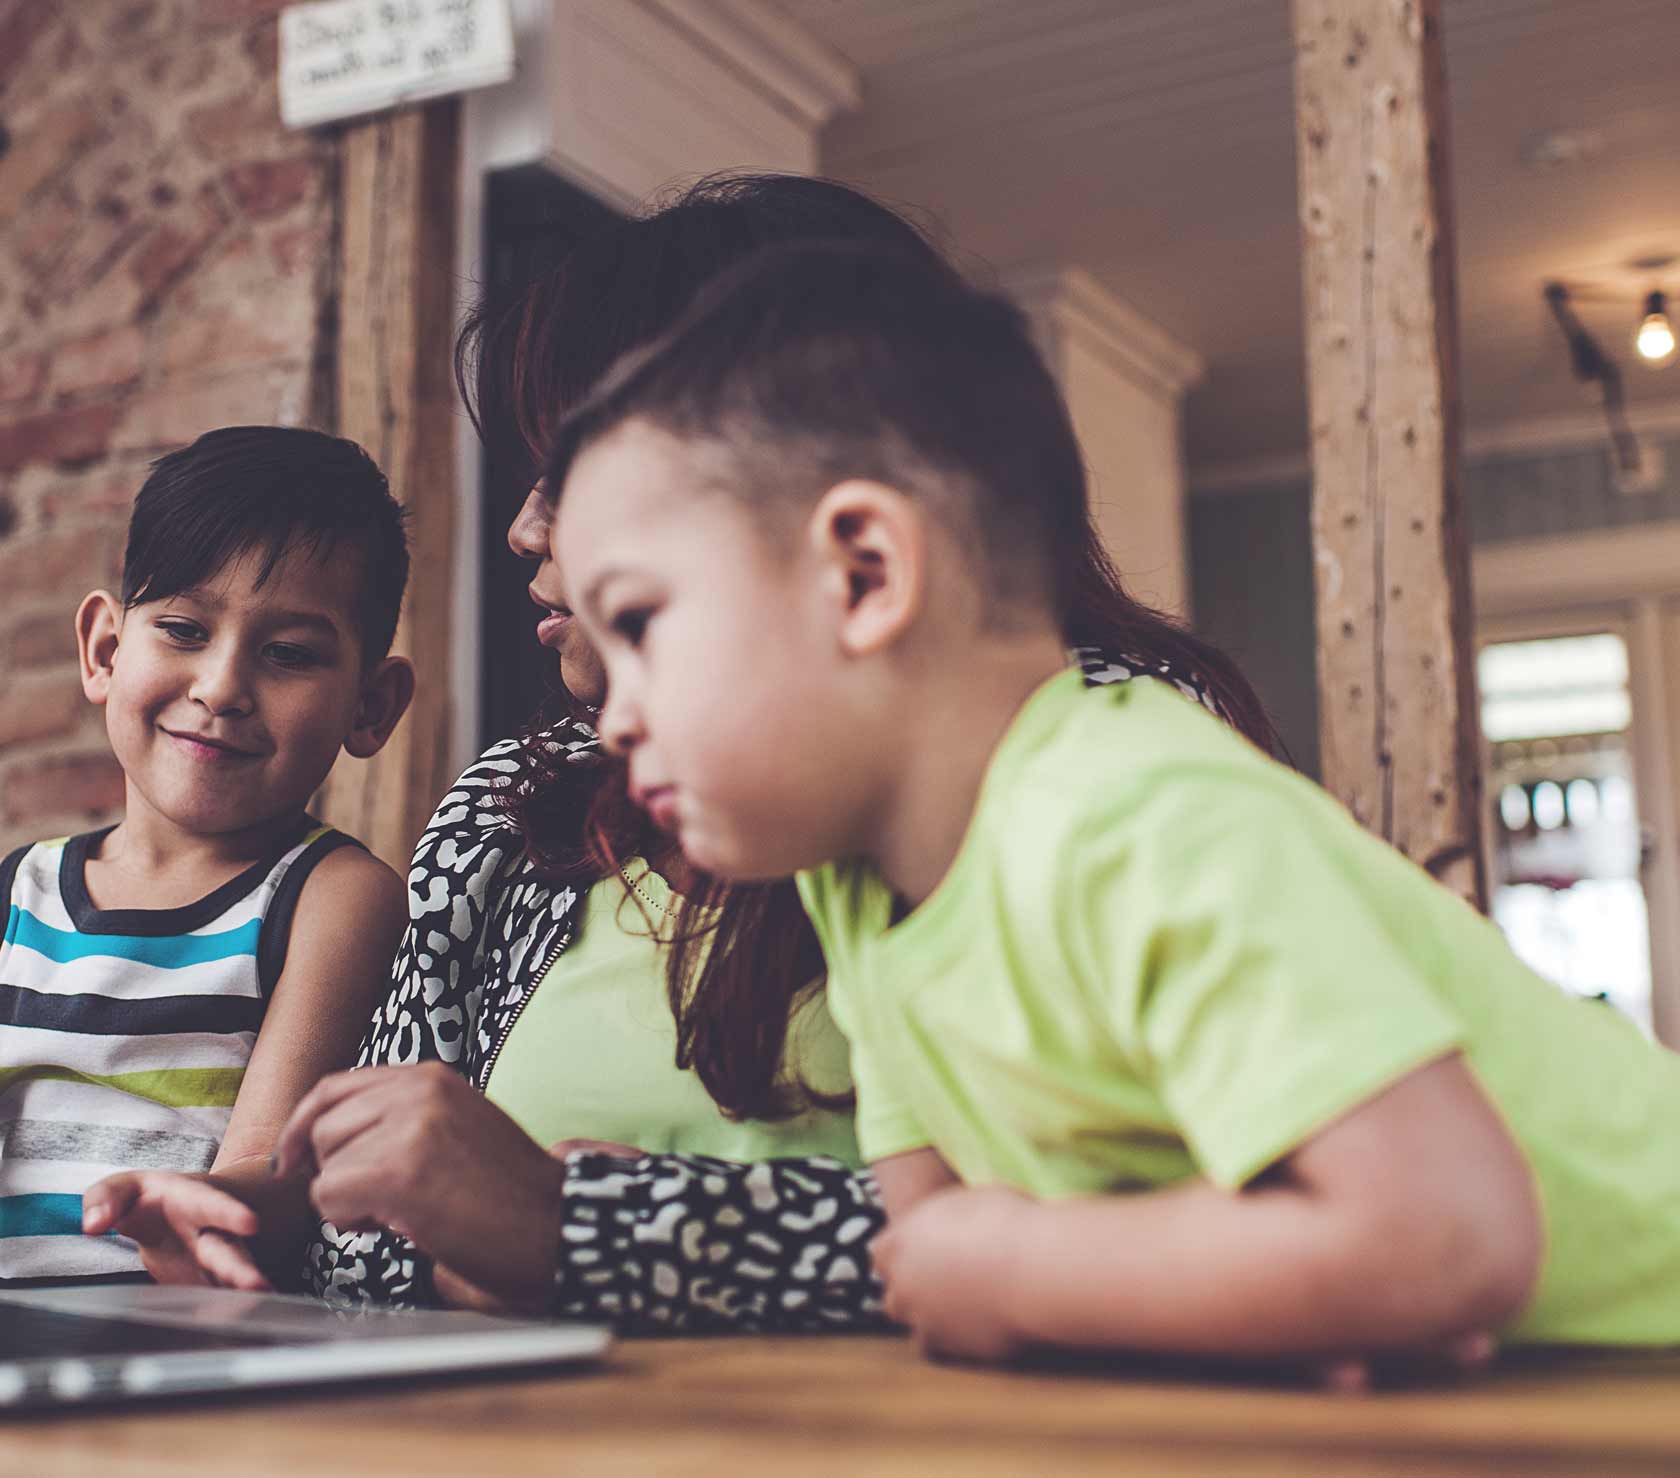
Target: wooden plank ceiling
<point>1151,142</point>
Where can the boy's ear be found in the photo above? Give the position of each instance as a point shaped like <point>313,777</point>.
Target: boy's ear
<point>98,629</point>
<point>386,693</point>
<point>871,543</point>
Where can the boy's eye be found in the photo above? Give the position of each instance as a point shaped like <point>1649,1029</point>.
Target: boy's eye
<point>180,631</point>
<point>284,654</point>
<point>631,625</point>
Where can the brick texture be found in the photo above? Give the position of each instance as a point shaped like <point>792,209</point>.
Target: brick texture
<point>165,264</point>
<point>41,708</point>
<point>47,639</point>
<point>48,796</point>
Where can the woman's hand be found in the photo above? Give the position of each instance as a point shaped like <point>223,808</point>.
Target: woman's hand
<point>948,1269</point>
<point>459,1293</point>
<point>189,1229</point>
<point>418,1150</point>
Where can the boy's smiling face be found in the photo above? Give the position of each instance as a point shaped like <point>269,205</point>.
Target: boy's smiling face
<point>227,704</point>
<point>726,687</point>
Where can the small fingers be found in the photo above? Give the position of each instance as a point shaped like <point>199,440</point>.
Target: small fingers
<point>1468,1351</point>
<point>458,1293</point>
<point>228,1262</point>
<point>195,1205</point>
<point>105,1203</point>
<point>1450,1357</point>
<point>564,1149</point>
<point>1346,1376</point>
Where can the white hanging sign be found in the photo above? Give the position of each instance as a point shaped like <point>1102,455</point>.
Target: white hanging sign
<point>342,58</point>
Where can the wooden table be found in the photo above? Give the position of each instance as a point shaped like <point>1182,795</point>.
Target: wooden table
<point>789,1408</point>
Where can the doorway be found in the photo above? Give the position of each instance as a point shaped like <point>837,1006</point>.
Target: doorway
<point>532,219</point>
<point>1580,832</point>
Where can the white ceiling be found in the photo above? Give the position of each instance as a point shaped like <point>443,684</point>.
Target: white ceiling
<point>1151,141</point>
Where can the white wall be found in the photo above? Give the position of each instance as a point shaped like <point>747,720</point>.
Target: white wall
<point>1124,382</point>
<point>1130,438</point>
<point>625,98</point>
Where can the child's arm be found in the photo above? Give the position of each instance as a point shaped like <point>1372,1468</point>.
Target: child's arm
<point>904,1180</point>
<point>349,916</point>
<point>1409,1221</point>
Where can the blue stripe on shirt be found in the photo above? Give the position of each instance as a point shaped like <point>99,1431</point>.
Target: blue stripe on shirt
<point>40,1216</point>
<point>167,952</point>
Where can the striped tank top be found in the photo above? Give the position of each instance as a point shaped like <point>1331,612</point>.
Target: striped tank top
<point>124,1035</point>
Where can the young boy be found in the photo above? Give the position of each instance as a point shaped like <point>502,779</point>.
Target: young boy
<point>174,984</point>
<point>1154,1046</point>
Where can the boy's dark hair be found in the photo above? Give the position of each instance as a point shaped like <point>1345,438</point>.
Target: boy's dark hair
<point>813,363</point>
<point>272,489</point>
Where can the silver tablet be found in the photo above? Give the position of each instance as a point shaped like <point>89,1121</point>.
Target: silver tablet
<point>128,1342</point>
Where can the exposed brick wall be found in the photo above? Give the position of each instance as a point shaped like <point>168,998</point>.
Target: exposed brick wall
<point>166,253</point>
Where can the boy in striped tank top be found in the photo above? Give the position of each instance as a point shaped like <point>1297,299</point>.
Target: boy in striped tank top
<point>170,987</point>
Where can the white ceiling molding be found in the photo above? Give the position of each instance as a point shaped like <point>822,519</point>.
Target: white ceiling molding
<point>1514,438</point>
<point>795,71</point>
<point>1067,302</point>
<point>1604,566</point>
<point>646,94</point>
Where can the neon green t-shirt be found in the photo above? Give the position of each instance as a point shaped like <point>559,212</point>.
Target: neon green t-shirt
<point>1158,954</point>
<point>593,1053</point>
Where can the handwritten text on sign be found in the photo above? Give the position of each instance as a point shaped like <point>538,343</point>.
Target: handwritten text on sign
<point>340,58</point>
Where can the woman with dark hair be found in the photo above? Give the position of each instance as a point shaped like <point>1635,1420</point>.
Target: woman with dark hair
<point>678,1048</point>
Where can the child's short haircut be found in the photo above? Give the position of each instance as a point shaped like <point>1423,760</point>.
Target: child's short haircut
<point>810,364</point>
<point>273,490</point>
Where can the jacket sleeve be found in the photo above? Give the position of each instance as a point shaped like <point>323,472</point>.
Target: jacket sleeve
<point>430,1011</point>
<point>670,1243</point>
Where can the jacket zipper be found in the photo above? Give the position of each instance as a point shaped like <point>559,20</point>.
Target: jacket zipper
<point>489,1066</point>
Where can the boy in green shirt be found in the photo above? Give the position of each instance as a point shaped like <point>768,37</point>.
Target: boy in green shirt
<point>1155,1048</point>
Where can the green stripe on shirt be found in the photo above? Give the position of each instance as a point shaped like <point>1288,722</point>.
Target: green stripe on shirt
<point>175,1087</point>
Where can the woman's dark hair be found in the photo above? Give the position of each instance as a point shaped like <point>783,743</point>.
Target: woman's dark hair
<point>735,978</point>
<point>272,489</point>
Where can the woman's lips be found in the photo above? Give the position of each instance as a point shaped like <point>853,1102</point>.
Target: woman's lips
<point>661,805</point>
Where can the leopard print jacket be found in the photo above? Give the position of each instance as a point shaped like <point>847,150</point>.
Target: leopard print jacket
<point>661,1242</point>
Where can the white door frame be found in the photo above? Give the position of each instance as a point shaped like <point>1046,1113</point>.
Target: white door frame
<point>1626,581</point>
<point>623,98</point>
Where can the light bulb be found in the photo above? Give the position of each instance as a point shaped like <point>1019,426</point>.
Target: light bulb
<point>1655,340</point>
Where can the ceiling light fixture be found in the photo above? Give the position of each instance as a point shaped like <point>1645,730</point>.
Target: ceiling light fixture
<point>1594,367</point>
<point>1654,340</point>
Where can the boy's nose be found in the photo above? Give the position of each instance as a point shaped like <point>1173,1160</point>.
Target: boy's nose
<point>221,687</point>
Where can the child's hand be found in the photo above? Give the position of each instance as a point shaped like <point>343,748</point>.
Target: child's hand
<point>1456,1356</point>
<point>949,1266</point>
<point>189,1230</point>
<point>564,1149</point>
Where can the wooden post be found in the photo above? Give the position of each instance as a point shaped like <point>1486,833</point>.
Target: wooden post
<point>1397,702</point>
<point>396,397</point>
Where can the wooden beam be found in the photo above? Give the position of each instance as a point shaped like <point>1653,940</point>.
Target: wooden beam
<point>396,397</point>
<point>1397,701</point>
